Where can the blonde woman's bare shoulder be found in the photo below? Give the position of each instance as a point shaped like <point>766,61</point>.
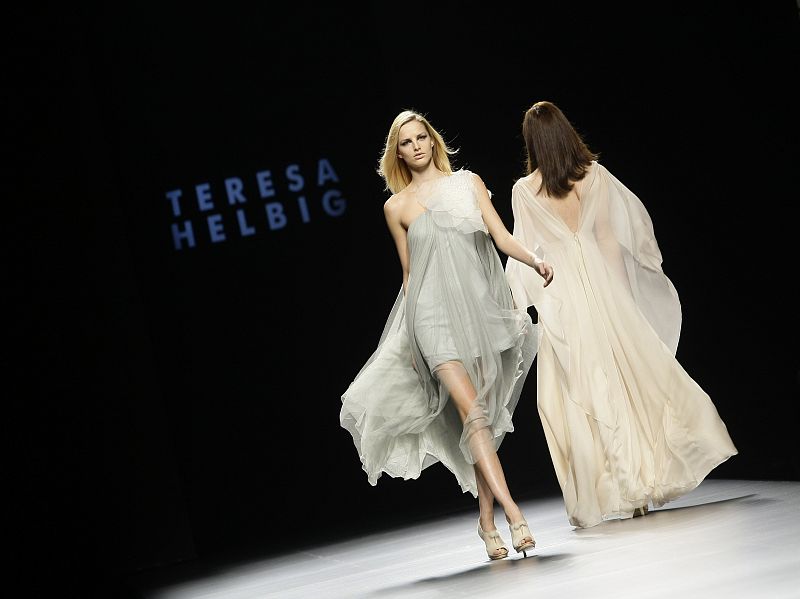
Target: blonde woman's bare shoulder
<point>394,205</point>
<point>394,200</point>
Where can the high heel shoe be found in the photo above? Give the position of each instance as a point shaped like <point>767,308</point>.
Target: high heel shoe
<point>521,537</point>
<point>640,511</point>
<point>495,546</point>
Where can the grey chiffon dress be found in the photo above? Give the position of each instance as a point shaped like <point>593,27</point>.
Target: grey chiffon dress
<point>459,313</point>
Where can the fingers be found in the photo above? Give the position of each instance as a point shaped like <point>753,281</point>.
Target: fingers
<point>545,271</point>
<point>548,275</point>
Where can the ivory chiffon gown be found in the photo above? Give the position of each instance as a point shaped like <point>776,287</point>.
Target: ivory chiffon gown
<point>624,422</point>
<point>458,313</point>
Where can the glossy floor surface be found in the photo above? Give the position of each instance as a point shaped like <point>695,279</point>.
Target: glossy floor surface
<point>727,539</point>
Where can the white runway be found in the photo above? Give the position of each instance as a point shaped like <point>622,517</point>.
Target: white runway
<point>726,539</point>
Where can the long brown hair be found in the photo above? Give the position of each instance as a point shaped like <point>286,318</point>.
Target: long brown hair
<point>555,148</point>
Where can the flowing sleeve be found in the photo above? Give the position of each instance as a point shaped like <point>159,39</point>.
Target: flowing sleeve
<point>525,283</point>
<point>636,250</point>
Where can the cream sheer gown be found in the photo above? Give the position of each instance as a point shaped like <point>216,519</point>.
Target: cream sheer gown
<point>624,423</point>
<point>458,315</point>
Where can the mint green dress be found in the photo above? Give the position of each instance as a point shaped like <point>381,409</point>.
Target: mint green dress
<point>458,312</point>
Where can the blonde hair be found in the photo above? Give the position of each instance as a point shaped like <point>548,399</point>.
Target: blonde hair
<point>394,171</point>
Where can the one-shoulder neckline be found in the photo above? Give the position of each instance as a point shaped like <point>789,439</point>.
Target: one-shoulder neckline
<point>425,184</point>
<point>442,178</point>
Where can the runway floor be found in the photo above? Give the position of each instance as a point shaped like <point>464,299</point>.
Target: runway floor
<point>727,539</point>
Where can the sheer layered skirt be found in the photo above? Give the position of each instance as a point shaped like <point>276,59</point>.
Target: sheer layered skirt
<point>456,325</point>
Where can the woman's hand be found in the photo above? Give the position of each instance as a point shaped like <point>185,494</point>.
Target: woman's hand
<point>544,270</point>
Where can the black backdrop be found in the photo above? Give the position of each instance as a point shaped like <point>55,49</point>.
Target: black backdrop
<point>181,405</point>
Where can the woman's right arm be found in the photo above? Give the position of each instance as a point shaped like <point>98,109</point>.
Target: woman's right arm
<point>391,211</point>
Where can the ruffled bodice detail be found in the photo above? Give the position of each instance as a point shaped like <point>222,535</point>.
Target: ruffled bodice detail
<point>453,203</point>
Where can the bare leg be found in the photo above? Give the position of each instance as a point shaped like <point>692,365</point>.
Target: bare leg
<point>488,470</point>
<point>485,502</point>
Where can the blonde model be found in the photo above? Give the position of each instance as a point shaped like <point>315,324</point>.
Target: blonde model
<point>446,376</point>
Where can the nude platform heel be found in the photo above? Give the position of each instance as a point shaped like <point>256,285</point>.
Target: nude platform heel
<point>521,537</point>
<point>495,547</point>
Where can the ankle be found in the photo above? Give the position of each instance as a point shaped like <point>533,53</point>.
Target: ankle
<point>513,514</point>
<point>487,522</point>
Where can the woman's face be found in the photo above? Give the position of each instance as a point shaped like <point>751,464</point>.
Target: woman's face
<point>414,145</point>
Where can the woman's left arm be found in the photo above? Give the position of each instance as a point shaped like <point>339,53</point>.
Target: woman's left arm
<point>505,241</point>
